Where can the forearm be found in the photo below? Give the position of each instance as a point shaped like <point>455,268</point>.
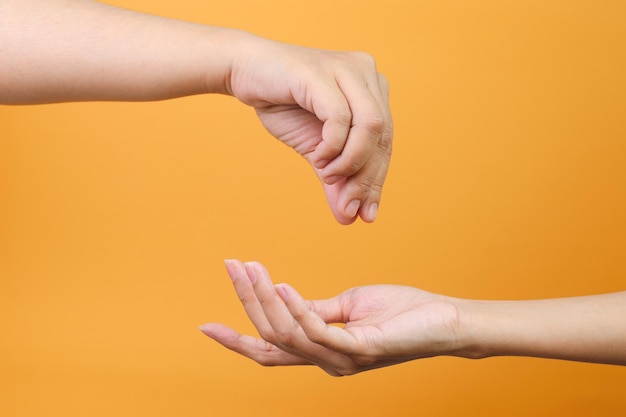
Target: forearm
<point>72,50</point>
<point>589,329</point>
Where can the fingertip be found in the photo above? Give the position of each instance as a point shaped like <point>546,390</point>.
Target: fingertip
<point>235,269</point>
<point>344,220</point>
<point>207,329</point>
<point>230,266</point>
<point>251,271</point>
<point>256,270</point>
<point>282,291</point>
<point>373,212</point>
<point>370,213</point>
<point>221,333</point>
<point>352,208</point>
<point>335,195</point>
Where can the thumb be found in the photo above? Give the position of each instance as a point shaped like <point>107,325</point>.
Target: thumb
<point>329,310</point>
<point>345,212</point>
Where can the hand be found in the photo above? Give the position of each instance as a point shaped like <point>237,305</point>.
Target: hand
<point>383,325</point>
<point>330,107</point>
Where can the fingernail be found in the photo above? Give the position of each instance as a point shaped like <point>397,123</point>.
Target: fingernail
<point>333,179</point>
<point>321,163</point>
<point>282,291</point>
<point>353,207</point>
<point>251,269</point>
<point>203,329</point>
<point>373,212</point>
<point>229,267</point>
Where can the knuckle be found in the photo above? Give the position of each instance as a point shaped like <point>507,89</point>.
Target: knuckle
<point>331,371</point>
<point>263,299</point>
<point>299,315</point>
<point>347,371</point>
<point>365,58</point>
<point>268,349</point>
<point>376,191</point>
<point>386,138</point>
<point>363,185</point>
<point>317,336</point>
<point>265,355</point>
<point>375,123</point>
<point>286,339</point>
<point>353,166</point>
<point>268,336</point>
<point>247,299</point>
<point>363,361</point>
<point>265,360</point>
<point>343,116</point>
<point>383,81</point>
<point>335,146</point>
<point>386,143</point>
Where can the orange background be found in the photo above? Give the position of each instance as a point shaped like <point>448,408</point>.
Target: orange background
<point>508,180</point>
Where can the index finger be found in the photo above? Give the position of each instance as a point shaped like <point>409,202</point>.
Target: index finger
<point>342,157</point>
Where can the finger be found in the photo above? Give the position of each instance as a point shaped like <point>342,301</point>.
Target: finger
<point>329,310</point>
<point>335,196</point>
<point>368,210</point>
<point>243,287</point>
<point>362,191</point>
<point>286,331</point>
<point>366,129</point>
<point>273,309</point>
<point>315,328</point>
<point>370,114</point>
<point>324,98</point>
<point>256,349</point>
<point>359,189</point>
<point>359,194</point>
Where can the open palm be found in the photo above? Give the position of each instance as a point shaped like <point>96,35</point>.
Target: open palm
<point>382,325</point>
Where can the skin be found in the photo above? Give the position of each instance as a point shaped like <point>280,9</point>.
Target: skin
<point>330,107</point>
<point>384,325</point>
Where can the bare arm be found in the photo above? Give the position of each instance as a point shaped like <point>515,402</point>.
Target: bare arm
<point>330,107</point>
<point>589,329</point>
<point>388,324</point>
<point>55,51</point>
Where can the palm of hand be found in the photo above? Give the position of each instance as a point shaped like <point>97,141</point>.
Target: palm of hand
<point>302,131</point>
<point>393,324</point>
<point>383,324</point>
<point>294,126</point>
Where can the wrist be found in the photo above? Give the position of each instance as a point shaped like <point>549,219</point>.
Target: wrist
<point>476,329</point>
<point>224,45</point>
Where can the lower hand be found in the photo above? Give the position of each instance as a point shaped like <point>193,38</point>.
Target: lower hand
<point>382,325</point>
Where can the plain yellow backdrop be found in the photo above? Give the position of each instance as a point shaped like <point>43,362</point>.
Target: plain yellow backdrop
<point>508,180</point>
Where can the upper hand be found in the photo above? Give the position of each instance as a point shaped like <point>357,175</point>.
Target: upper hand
<point>332,108</point>
<point>382,325</point>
